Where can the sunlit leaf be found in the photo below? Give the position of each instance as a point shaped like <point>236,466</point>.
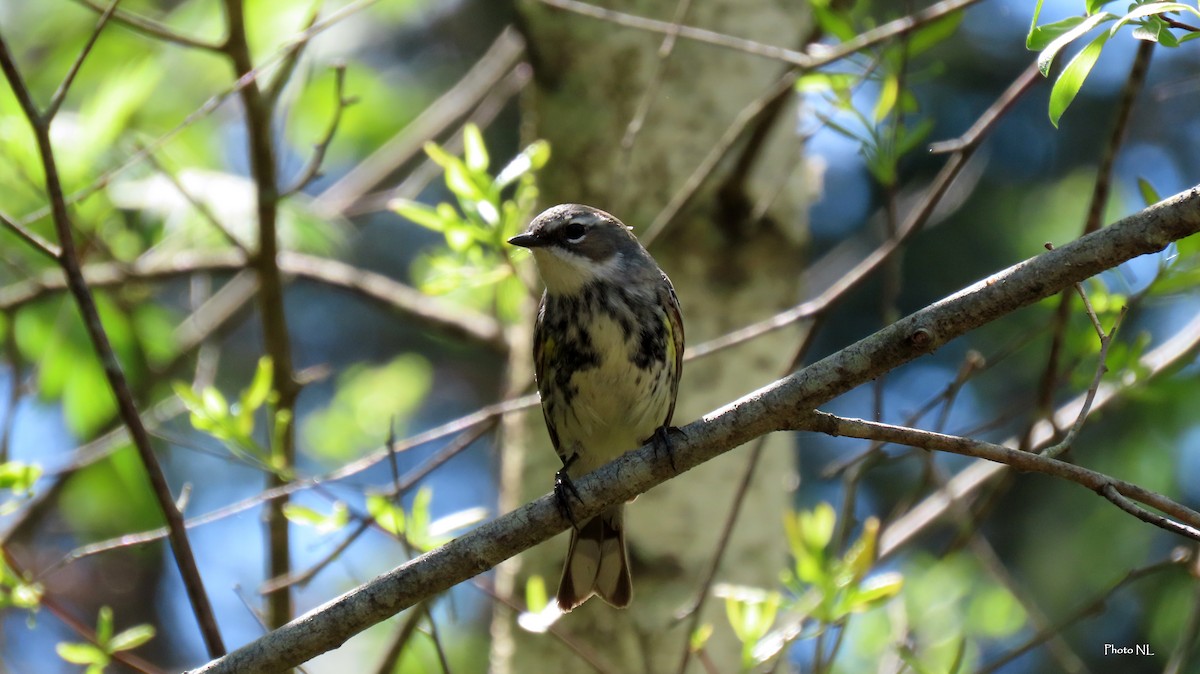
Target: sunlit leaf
<point>81,654</point>
<point>1149,194</point>
<point>1040,37</point>
<point>1046,57</point>
<point>1073,76</point>
<point>131,638</point>
<point>386,514</point>
<point>475,152</point>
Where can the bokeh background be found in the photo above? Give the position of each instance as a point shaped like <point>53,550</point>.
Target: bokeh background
<point>371,366</point>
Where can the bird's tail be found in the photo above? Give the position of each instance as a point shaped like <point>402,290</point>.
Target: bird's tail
<point>597,563</point>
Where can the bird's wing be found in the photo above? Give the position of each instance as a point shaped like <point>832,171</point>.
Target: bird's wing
<point>675,318</point>
<point>543,354</point>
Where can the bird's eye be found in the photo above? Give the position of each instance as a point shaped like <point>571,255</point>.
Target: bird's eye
<point>574,232</point>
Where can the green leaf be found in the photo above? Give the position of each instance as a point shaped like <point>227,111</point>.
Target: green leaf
<point>461,183</point>
<point>387,515</point>
<point>81,654</point>
<point>1040,37</point>
<point>1149,194</point>
<point>215,405</point>
<point>19,476</point>
<point>1073,76</point>
<point>131,638</point>
<point>1153,9</point>
<point>873,591</point>
<point>536,597</point>
<point>532,158</point>
<point>934,33</point>
<point>419,518</point>
<point>474,151</point>
<point>1046,58</point>
<point>419,213</point>
<point>438,155</point>
<point>818,82</point>
<point>104,625</point>
<point>259,390</point>
<point>322,522</point>
<point>1037,11</point>
<point>888,95</point>
<point>700,637</point>
<point>88,401</point>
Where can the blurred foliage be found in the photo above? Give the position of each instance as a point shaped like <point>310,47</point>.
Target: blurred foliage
<point>233,424</point>
<point>98,654</point>
<point>937,614</point>
<point>474,266</point>
<point>824,589</point>
<point>367,402</point>
<point>1146,18</point>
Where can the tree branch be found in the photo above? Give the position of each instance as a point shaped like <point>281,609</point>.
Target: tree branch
<point>126,407</point>
<point>1121,493</point>
<point>453,321</point>
<point>783,405</point>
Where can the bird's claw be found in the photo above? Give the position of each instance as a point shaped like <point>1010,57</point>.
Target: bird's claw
<point>662,442</point>
<point>564,488</point>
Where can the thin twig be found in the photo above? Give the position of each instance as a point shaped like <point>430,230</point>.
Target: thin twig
<point>201,207</point>
<point>30,237</point>
<point>312,170</point>
<point>1119,492</point>
<point>777,406</point>
<point>1099,201</point>
<point>287,66</point>
<point>964,147</point>
<point>61,93</point>
<point>431,312</point>
<point>206,109</point>
<point>277,341</point>
<point>152,28</point>
<point>1179,348</point>
<point>501,57</point>
<point>1095,605</point>
<point>114,374</point>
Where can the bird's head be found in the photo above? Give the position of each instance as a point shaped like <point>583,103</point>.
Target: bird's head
<point>574,245</point>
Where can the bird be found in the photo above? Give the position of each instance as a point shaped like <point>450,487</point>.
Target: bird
<point>608,354</point>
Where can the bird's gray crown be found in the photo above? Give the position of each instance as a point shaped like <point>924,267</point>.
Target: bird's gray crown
<point>582,230</point>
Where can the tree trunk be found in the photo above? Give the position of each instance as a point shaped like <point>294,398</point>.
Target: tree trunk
<point>729,269</point>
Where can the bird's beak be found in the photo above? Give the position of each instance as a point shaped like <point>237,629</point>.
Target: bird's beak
<point>527,240</point>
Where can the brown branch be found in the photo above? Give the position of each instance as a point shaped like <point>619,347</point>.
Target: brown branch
<point>312,169</point>
<point>152,28</point>
<point>782,405</point>
<point>1100,191</point>
<point>435,315</point>
<point>1121,493</point>
<point>265,262</point>
<point>30,237</point>
<point>61,93</point>
<point>799,59</point>
<point>127,408</point>
<point>1180,348</point>
<point>499,60</point>
<point>963,148</point>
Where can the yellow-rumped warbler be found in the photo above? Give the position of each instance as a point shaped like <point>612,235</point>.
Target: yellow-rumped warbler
<point>608,349</point>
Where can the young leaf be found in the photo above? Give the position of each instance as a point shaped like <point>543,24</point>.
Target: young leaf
<point>131,638</point>
<point>1149,194</point>
<point>260,387</point>
<point>1073,76</point>
<point>1046,58</point>
<point>104,625</point>
<point>419,213</point>
<point>1040,37</point>
<point>474,151</point>
<point>81,654</point>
